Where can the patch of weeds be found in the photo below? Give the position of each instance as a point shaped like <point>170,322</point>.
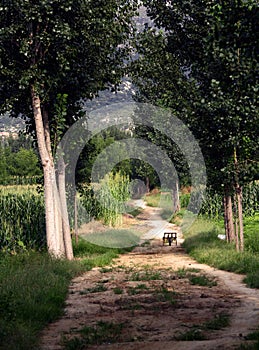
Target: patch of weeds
<point>167,295</point>
<point>254,346</point>
<point>106,269</point>
<point>96,289</point>
<point>192,334</point>
<point>252,279</point>
<point>220,321</point>
<point>127,269</point>
<point>137,290</point>
<point>201,280</point>
<point>117,290</point>
<point>102,332</point>
<point>146,267</point>
<point>253,336</point>
<point>145,244</point>
<point>136,211</point>
<point>183,272</point>
<point>196,332</point>
<point>148,275</point>
<point>131,306</point>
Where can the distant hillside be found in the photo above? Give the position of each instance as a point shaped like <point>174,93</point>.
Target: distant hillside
<point>10,124</point>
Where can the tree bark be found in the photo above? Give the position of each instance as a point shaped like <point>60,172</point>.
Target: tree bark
<point>240,217</point>
<point>239,211</point>
<point>176,198</point>
<point>53,243</point>
<point>75,218</point>
<point>229,223</point>
<point>64,210</point>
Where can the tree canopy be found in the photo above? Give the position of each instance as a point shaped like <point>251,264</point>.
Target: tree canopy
<point>55,54</point>
<point>209,51</point>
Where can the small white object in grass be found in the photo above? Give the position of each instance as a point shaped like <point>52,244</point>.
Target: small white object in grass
<point>223,237</point>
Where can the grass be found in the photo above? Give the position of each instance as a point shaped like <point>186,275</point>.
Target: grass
<point>101,333</point>
<point>147,275</point>
<point>96,289</point>
<point>117,290</point>
<point>202,280</point>
<point>114,238</point>
<point>166,295</point>
<point>219,321</point>
<point>202,243</point>
<point>138,289</point>
<point>195,279</point>
<point>33,289</point>
<point>183,272</point>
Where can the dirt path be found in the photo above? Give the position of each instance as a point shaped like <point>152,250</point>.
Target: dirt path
<point>151,299</point>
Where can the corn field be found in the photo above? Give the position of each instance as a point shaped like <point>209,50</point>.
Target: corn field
<point>213,203</point>
<point>22,219</point>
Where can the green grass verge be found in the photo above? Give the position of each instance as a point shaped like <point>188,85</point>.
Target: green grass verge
<point>117,238</point>
<point>33,289</point>
<point>202,243</point>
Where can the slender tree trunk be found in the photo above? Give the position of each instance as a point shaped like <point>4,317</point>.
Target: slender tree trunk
<point>236,224</point>
<point>53,243</point>
<point>176,198</point>
<point>229,223</point>
<point>239,207</point>
<point>76,221</point>
<point>147,184</point>
<point>64,210</point>
<point>239,219</point>
<point>226,219</point>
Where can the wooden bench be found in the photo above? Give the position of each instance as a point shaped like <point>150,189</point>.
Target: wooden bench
<point>170,237</point>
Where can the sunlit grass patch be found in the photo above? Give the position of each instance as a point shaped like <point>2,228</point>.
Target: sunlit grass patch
<point>203,244</point>
<point>114,238</point>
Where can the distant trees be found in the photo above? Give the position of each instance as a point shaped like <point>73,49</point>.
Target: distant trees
<point>18,160</point>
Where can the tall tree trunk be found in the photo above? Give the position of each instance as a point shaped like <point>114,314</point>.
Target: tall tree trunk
<point>229,223</point>
<point>53,243</point>
<point>239,215</point>
<point>239,211</point>
<point>75,218</point>
<point>176,198</point>
<point>236,224</point>
<point>64,210</point>
<point>226,218</point>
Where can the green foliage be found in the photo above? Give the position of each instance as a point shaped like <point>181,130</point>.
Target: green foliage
<point>20,164</point>
<point>184,199</point>
<point>212,206</point>
<point>205,72</point>
<point>107,200</point>
<point>60,49</point>
<point>22,220</point>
